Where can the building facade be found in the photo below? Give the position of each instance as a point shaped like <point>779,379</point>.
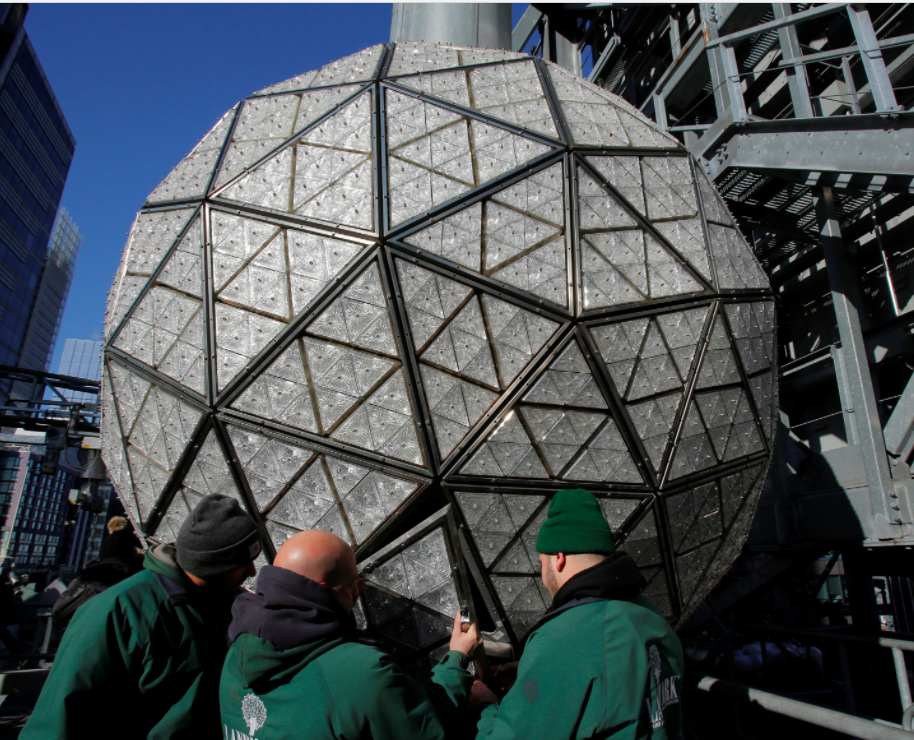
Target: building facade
<point>35,514</point>
<point>51,297</point>
<point>81,358</point>
<point>36,149</point>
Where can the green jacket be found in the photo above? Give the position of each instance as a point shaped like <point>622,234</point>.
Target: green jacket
<point>330,686</point>
<point>604,669</point>
<point>140,660</point>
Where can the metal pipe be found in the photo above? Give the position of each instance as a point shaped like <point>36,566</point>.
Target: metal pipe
<point>461,24</point>
<point>889,642</point>
<point>901,673</point>
<point>846,724</point>
<point>790,20</point>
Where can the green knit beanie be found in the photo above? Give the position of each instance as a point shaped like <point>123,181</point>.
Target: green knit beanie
<point>575,524</point>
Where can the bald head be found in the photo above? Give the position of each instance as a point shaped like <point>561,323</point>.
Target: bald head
<point>326,559</point>
<point>320,556</point>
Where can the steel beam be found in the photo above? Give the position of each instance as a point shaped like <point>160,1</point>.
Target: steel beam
<point>824,56</point>
<point>734,85</point>
<point>845,299</point>
<point>870,145</point>
<point>687,63</point>
<point>776,24</point>
<point>849,86</point>
<point>796,75</point>
<point>844,394</point>
<point>900,66</point>
<point>873,63</point>
<point>899,430</point>
<point>715,59</point>
<point>525,28</point>
<point>601,63</point>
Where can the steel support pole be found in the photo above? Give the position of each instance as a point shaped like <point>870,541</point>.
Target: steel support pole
<point>796,75</point>
<point>844,394</point>
<point>845,298</point>
<point>901,673</point>
<point>559,48</point>
<point>675,41</point>
<point>873,63</point>
<point>847,685</point>
<point>715,61</point>
<point>462,24</point>
<point>734,85</point>
<point>850,87</point>
<point>660,112</point>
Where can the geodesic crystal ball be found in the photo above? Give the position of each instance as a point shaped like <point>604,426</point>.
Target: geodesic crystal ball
<point>435,266</point>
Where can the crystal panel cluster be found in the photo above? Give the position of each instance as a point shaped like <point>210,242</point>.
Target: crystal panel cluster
<point>427,267</point>
<point>411,592</point>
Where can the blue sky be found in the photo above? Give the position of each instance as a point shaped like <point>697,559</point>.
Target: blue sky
<point>141,84</point>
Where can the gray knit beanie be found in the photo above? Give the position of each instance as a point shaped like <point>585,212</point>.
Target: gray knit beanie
<point>217,536</point>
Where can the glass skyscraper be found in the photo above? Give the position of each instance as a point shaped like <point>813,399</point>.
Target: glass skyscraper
<point>81,358</point>
<point>51,297</point>
<point>36,149</point>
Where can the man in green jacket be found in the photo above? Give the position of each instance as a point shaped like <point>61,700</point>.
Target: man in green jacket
<point>296,669</point>
<point>603,662</point>
<point>142,659</point>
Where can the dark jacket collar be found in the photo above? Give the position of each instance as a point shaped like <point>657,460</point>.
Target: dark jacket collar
<point>617,577</point>
<point>289,610</point>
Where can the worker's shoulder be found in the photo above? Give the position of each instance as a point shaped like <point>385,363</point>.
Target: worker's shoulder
<point>622,615</point>
<point>133,600</point>
<point>353,665</point>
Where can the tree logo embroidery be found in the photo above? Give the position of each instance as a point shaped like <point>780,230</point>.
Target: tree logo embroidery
<point>254,712</point>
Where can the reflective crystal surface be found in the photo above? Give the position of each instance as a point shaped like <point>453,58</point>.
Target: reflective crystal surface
<point>458,269</point>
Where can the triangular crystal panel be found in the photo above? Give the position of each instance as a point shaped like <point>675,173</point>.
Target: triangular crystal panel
<point>358,67</point>
<point>520,230</point>
<point>343,378</point>
<point>662,190</point>
<point>734,260</point>
<point>298,488</point>
<point>649,361</point>
<point>326,174</point>
<point>595,119</point>
<point>155,443</point>
<point>412,57</point>
<point>620,262</point>
<point>566,418</point>
<point>752,326</point>
<point>190,177</point>
<point>431,159</point>
<point>720,425</point>
<point>511,93</point>
<point>470,345</point>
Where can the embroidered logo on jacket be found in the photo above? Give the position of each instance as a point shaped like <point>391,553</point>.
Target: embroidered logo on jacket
<point>663,690</point>
<point>254,713</point>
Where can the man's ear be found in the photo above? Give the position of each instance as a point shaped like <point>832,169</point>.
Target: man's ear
<point>560,561</point>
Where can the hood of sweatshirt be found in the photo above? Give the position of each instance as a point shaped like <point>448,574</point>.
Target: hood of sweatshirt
<point>617,577</point>
<point>288,622</point>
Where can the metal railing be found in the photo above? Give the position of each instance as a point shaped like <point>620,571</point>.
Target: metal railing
<point>868,49</point>
<point>845,722</point>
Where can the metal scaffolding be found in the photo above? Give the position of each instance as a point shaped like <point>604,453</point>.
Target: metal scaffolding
<point>800,114</point>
